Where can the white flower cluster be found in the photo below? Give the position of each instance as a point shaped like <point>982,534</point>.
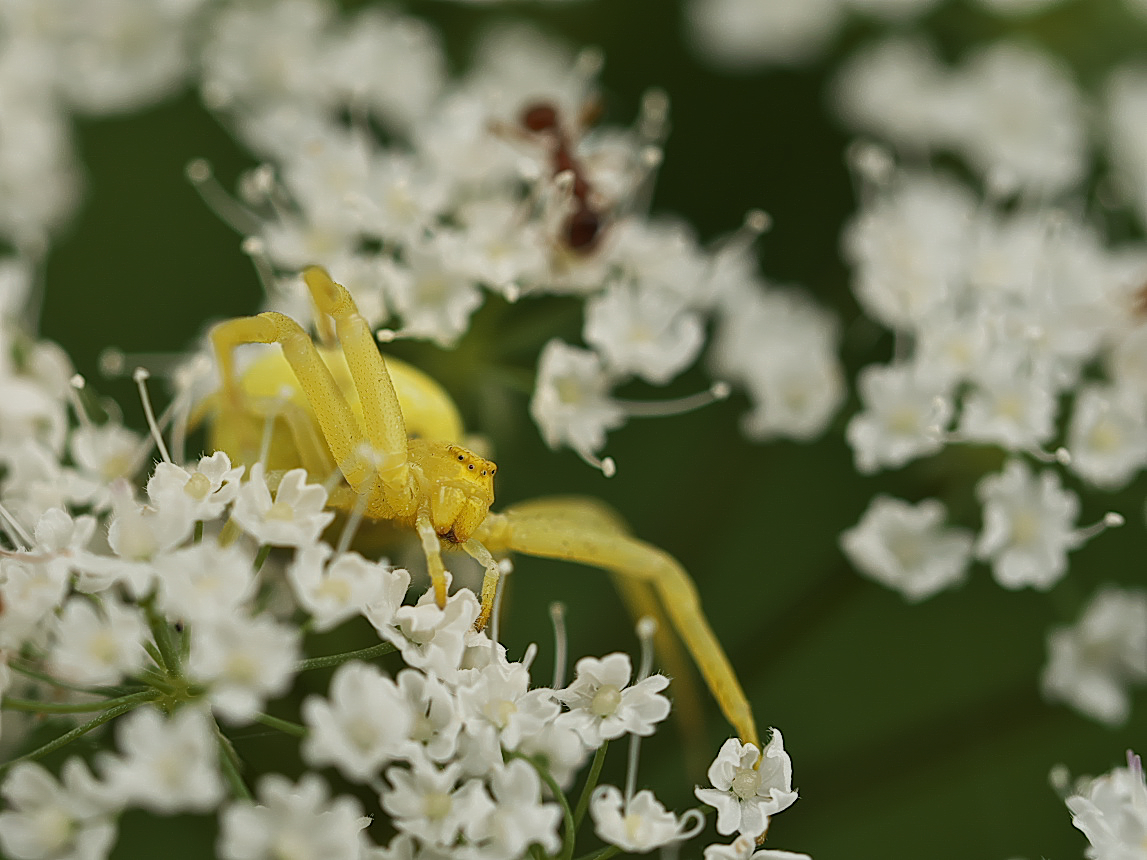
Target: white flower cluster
<point>465,758</point>
<point>742,35</point>
<point>490,183</point>
<point>1011,111</point>
<point>999,316</point>
<point>1016,324</point>
<point>59,56</point>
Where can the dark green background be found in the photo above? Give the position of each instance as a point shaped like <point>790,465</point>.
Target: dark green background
<point>915,731</point>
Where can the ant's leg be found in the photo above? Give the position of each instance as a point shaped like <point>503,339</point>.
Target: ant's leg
<point>581,530</point>
<point>336,420</point>
<point>382,414</point>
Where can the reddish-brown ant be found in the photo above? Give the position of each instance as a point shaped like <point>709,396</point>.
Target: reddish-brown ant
<point>583,227</point>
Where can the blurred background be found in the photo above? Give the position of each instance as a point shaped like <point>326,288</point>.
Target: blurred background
<point>914,730</point>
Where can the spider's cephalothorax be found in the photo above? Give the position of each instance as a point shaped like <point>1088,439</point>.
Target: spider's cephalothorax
<point>394,437</point>
<point>457,484</point>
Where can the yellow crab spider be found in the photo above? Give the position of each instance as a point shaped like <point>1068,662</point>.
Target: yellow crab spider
<point>393,435</point>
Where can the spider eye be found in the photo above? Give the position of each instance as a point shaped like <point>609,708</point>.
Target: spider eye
<point>471,467</point>
<point>461,456</point>
<point>483,472</point>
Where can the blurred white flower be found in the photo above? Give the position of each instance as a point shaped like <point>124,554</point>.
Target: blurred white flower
<point>300,821</point>
<point>1091,664</point>
<point>907,547</point>
<point>639,826</point>
<point>166,764</point>
<point>361,726</point>
<point>1029,526</point>
<point>73,819</point>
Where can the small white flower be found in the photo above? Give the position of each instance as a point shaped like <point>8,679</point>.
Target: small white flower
<point>30,593</point>
<point>745,848</point>
<point>435,296</point>
<point>206,490</point>
<point>571,403</point>
<point>604,707</point>
<point>243,661</point>
<point>364,724</point>
<point>1091,664</point>
<point>519,818</point>
<point>639,826</point>
<point>299,822</point>
<point>73,819</point>
<point>1028,526</point>
<point>1019,111</point>
<point>204,581</point>
<point>335,591</point>
<point>907,547</point>
<point>435,718</point>
<point>1111,810</point>
<point>1010,406</point>
<point>643,330</point>
<point>904,417</point>
<point>746,793</point>
<point>97,646</point>
<point>166,765</point>
<point>1107,437</point>
<point>429,804</point>
<point>106,451</point>
<point>294,518</point>
<point>434,639</point>
<point>497,699</point>
<point>741,35</point>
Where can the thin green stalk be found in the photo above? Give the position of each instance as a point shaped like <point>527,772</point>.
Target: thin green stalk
<point>39,707</point>
<point>559,795</point>
<point>79,731</point>
<point>64,685</point>
<point>286,726</point>
<point>264,551</point>
<point>161,632</point>
<point>198,538</point>
<point>231,766</point>
<point>590,783</point>
<point>337,659</point>
<point>601,853</point>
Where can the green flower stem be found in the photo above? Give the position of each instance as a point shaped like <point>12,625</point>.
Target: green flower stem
<point>286,726</point>
<point>337,659</point>
<point>161,631</point>
<point>28,671</point>
<point>198,538</point>
<point>590,783</point>
<point>570,829</point>
<point>264,551</point>
<point>79,731</point>
<point>602,853</point>
<point>231,766</point>
<point>76,707</point>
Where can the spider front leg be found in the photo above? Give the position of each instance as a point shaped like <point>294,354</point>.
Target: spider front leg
<point>336,421</point>
<point>583,530</point>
